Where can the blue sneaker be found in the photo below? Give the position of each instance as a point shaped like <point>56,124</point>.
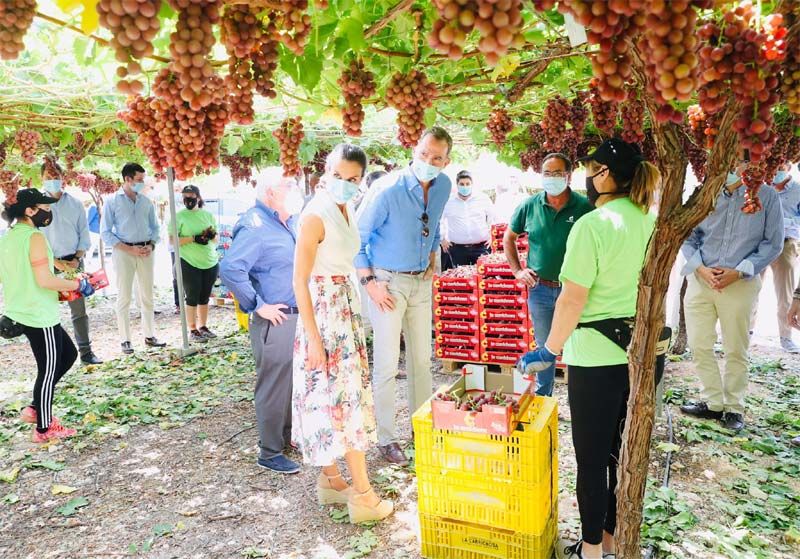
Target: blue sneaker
<point>279,464</point>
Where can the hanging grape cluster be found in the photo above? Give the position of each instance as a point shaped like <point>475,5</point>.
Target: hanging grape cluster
<point>410,94</point>
<point>790,77</point>
<point>240,32</point>
<point>631,114</point>
<point>533,156</point>
<point>604,113</point>
<point>240,166</point>
<point>16,17</point>
<point>557,113</point>
<point>293,24</point>
<point>141,116</point>
<point>356,83</point>
<point>578,113</point>
<point>499,125</point>
<point>289,135</point>
<point>499,23</point>
<point>27,141</point>
<point>10,183</point>
<point>79,149</point>
<point>133,25</point>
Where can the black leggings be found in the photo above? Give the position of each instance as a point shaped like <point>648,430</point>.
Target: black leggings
<point>197,283</point>
<point>55,353</point>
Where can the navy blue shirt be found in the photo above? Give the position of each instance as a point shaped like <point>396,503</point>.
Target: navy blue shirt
<point>259,265</point>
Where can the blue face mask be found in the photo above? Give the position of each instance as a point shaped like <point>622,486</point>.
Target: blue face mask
<point>464,190</point>
<point>424,171</point>
<point>733,178</point>
<point>137,187</point>
<point>780,176</point>
<point>342,191</point>
<point>554,185</point>
<point>53,186</point>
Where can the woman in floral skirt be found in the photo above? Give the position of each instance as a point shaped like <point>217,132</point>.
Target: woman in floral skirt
<point>332,409</point>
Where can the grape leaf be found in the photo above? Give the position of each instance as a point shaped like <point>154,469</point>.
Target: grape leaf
<point>72,506</point>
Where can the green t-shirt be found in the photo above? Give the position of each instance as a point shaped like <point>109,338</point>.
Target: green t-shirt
<point>191,223</point>
<point>25,301</point>
<point>547,230</point>
<point>605,253</point>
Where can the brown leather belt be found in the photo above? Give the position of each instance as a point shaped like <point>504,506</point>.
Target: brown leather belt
<point>548,283</point>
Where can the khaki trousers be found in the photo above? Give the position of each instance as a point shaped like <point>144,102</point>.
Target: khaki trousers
<point>128,267</point>
<point>732,308</point>
<point>412,315</point>
<point>784,279</point>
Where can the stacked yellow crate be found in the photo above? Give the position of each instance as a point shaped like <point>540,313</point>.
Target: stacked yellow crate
<point>489,496</point>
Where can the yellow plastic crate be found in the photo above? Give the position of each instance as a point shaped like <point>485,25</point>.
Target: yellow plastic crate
<point>242,318</point>
<point>447,539</point>
<point>528,456</point>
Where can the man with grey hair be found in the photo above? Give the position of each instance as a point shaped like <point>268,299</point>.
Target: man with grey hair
<point>399,237</point>
<point>258,269</point>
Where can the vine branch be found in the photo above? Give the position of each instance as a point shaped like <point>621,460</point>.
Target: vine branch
<point>387,18</point>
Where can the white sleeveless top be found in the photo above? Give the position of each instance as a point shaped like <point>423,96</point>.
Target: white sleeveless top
<point>342,241</point>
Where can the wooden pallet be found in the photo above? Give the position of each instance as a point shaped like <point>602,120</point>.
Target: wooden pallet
<point>221,302</point>
<point>561,375</point>
<point>451,367</point>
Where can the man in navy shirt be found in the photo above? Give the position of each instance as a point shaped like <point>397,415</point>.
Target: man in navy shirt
<point>399,236</point>
<point>258,269</point>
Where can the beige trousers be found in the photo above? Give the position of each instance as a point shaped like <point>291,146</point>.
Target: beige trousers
<point>784,279</point>
<point>732,308</point>
<point>128,267</point>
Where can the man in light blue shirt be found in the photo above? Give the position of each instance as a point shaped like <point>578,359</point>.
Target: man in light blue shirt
<point>130,226</point>
<point>68,235</point>
<point>258,269</point>
<point>725,256</point>
<point>399,237</point>
<point>783,267</point>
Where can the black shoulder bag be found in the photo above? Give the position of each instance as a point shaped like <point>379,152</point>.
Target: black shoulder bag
<point>10,329</point>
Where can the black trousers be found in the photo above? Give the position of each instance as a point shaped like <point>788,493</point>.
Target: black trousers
<point>598,404</point>
<point>174,280</point>
<point>55,354</point>
<point>463,255</point>
<point>198,283</point>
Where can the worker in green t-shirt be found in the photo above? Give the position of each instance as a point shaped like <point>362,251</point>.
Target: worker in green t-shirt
<point>547,217</point>
<point>605,255</point>
<point>197,233</point>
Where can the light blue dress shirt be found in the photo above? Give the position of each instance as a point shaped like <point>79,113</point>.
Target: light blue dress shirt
<point>69,231</point>
<point>790,203</point>
<point>730,238</point>
<point>128,221</point>
<point>391,226</point>
<point>259,264</point>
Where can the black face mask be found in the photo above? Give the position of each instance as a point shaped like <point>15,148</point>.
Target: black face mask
<point>42,218</point>
<point>190,203</point>
<point>591,192</point>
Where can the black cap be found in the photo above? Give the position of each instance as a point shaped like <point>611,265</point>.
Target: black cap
<point>190,189</point>
<point>29,198</point>
<point>621,157</point>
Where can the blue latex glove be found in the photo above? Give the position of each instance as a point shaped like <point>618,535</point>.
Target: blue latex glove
<point>85,288</point>
<point>535,361</point>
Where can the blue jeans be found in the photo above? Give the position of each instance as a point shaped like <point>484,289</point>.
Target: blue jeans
<point>542,306</point>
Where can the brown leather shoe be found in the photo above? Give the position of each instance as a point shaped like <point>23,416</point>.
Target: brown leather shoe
<point>394,454</point>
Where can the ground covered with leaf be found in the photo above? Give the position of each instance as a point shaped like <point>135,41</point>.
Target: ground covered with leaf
<point>164,466</point>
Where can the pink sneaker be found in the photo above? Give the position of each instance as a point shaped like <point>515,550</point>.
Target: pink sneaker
<point>29,415</point>
<point>54,432</point>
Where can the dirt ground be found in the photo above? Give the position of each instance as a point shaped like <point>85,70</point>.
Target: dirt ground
<point>164,466</point>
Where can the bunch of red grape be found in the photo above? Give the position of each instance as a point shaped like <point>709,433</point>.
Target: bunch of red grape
<point>793,147</point>
<point>544,5</point>
<point>3,152</point>
<point>240,166</point>
<point>410,94</point>
<point>10,182</point>
<point>609,24</point>
<point>536,133</point>
<point>320,159</point>
<point>240,30</point>
<point>265,62</point>
<point>781,151</point>
<point>649,150</point>
<point>499,125</point>
<point>696,155</point>
<point>604,113</point>
<point>27,141</point>
<point>133,25</point>
<point>557,113</point>
<point>293,23</point>
<point>78,150</point>
<point>631,113</point>
<point>578,113</point>
<point>240,84</point>
<point>532,158</point>
<point>289,135</point>
<point>499,24</point>
<point>16,17</point>
<point>790,77</point>
<point>142,118</point>
<point>356,83</point>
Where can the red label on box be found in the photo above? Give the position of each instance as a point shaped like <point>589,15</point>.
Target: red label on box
<point>506,329</point>
<point>502,269</point>
<point>494,420</point>
<point>457,354</point>
<point>503,285</point>
<point>496,315</point>
<point>455,284</point>
<point>495,300</point>
<point>506,344</point>
<point>99,279</point>
<point>458,327</point>
<point>458,313</point>
<point>500,358</point>
<point>455,298</point>
<point>456,340</point>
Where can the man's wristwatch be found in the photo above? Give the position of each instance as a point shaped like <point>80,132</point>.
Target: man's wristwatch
<point>366,279</point>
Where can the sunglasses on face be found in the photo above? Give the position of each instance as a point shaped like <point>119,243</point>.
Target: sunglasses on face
<point>424,219</point>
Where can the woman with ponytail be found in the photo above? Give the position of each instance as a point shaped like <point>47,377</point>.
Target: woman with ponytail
<point>605,255</point>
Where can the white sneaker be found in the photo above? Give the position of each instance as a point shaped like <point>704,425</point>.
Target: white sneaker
<point>788,345</point>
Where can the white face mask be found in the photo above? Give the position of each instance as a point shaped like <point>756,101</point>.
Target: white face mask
<point>294,202</point>
<point>53,186</point>
<point>554,185</point>
<point>424,171</point>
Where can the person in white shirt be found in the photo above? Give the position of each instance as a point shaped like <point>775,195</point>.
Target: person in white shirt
<point>465,225</point>
<point>507,199</point>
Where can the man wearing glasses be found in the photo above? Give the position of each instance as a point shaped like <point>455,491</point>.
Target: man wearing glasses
<point>466,225</point>
<point>547,217</point>
<point>399,237</point>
